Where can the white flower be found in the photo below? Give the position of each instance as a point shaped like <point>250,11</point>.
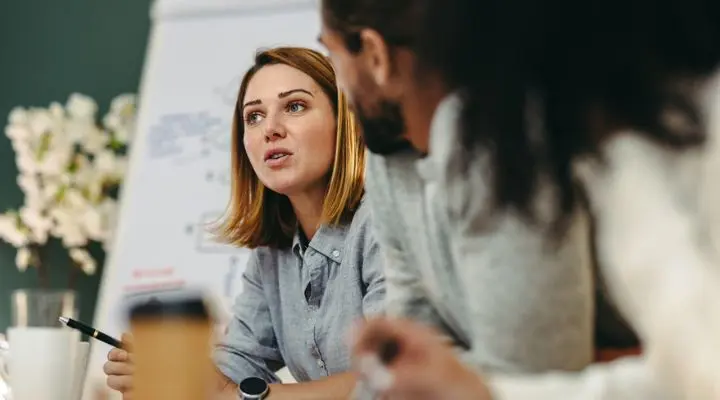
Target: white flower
<point>71,235</point>
<point>65,160</point>
<point>67,227</point>
<point>18,133</point>
<point>36,200</point>
<point>38,224</point>
<point>90,180</point>
<point>23,148</point>
<point>40,122</point>
<point>62,142</point>
<point>11,232</point>
<point>54,163</point>
<point>25,163</point>
<point>94,189</point>
<point>123,105</point>
<point>22,258</point>
<point>105,162</point>
<point>85,173</point>
<point>92,223</point>
<point>57,111</point>
<point>40,236</point>
<point>77,130</point>
<point>84,260</point>
<point>32,217</point>
<point>89,267</point>
<point>81,106</point>
<point>50,190</point>
<point>57,156</point>
<point>29,184</point>
<point>95,141</point>
<point>121,117</point>
<point>75,199</point>
<point>18,115</point>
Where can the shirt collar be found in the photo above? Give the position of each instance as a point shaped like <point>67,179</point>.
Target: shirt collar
<point>443,137</point>
<point>328,240</point>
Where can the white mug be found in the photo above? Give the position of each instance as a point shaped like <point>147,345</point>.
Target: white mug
<point>42,363</point>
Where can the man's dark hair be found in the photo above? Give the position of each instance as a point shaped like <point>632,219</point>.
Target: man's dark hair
<point>586,68</point>
<point>397,21</point>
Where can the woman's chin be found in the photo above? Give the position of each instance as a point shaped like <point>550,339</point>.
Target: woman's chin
<point>284,188</point>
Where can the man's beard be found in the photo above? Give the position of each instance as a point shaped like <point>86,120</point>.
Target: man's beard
<point>383,133</point>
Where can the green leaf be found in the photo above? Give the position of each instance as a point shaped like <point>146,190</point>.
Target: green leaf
<point>60,196</point>
<point>45,141</point>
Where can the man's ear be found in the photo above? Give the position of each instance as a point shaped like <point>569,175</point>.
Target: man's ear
<point>376,55</point>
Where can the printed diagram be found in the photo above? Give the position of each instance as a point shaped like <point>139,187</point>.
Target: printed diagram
<point>186,138</point>
<point>204,240</point>
<point>206,244</point>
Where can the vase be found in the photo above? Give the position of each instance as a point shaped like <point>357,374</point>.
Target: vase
<point>43,307</point>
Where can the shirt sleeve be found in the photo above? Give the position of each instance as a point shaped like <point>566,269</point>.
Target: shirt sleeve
<point>372,274</point>
<point>249,348</point>
<point>406,295</point>
<point>627,378</point>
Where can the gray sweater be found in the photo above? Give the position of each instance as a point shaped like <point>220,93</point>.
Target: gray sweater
<point>506,298</point>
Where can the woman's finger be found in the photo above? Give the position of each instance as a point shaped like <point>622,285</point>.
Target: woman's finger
<point>116,368</point>
<point>118,355</point>
<point>120,383</point>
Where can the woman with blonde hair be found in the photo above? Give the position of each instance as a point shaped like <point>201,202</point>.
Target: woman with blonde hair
<point>296,201</point>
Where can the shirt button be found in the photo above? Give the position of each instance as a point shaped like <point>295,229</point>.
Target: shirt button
<point>320,363</point>
<point>335,253</point>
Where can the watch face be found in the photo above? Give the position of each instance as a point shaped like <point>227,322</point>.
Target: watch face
<point>253,386</point>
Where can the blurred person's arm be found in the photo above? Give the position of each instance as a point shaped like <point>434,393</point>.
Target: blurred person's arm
<point>406,293</point>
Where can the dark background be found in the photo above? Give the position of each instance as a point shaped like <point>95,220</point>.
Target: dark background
<point>49,49</point>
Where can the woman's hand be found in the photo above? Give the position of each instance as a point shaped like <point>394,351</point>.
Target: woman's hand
<point>119,367</point>
<point>419,364</point>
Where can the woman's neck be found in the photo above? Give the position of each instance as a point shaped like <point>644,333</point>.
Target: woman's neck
<point>308,209</point>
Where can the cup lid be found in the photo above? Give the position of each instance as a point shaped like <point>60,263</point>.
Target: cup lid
<point>186,305</point>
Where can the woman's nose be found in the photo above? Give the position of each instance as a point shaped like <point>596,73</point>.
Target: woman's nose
<point>274,129</point>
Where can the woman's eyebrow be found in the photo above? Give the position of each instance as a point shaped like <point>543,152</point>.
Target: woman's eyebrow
<point>280,96</point>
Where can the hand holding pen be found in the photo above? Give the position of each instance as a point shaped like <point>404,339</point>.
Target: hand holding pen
<point>119,368</point>
<point>404,359</point>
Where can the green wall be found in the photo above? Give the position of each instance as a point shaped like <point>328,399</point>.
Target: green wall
<point>49,49</point>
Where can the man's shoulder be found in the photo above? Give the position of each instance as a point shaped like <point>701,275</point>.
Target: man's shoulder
<point>388,173</point>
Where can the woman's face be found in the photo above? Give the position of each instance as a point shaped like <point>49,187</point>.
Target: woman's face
<point>289,130</point>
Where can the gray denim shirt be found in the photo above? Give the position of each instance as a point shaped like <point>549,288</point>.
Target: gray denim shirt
<point>296,306</point>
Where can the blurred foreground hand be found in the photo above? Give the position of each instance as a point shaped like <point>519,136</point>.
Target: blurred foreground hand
<point>418,363</point>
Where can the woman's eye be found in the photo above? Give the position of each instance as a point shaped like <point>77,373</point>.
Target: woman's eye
<point>252,118</point>
<point>296,107</point>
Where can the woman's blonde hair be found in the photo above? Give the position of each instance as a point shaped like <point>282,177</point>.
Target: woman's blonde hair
<point>257,216</point>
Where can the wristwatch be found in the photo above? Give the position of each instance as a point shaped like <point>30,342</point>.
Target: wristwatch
<point>254,389</point>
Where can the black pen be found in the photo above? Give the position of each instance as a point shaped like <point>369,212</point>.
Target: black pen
<point>90,331</point>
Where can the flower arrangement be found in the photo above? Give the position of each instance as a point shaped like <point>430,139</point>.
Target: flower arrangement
<point>69,170</point>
